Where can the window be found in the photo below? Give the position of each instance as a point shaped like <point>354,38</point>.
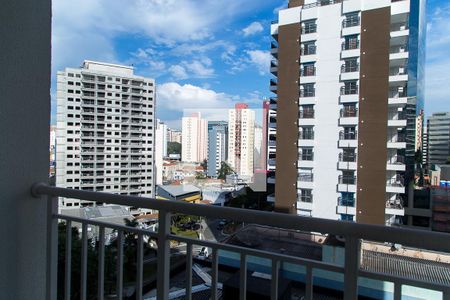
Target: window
<point>345,217</point>
<point>309,26</point>
<point>307,90</point>
<point>348,155</point>
<point>347,199</point>
<point>350,88</point>
<point>308,48</point>
<point>306,153</point>
<point>350,65</point>
<point>306,195</point>
<point>307,132</point>
<point>351,42</point>
<point>351,20</point>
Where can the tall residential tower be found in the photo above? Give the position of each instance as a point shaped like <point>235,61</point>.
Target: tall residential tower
<point>241,127</point>
<point>348,91</point>
<point>105,126</point>
<point>194,140</point>
<point>217,146</point>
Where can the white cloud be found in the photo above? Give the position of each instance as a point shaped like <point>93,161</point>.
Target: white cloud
<point>260,59</point>
<point>82,26</point>
<point>192,69</point>
<point>179,97</point>
<point>252,29</point>
<point>179,72</point>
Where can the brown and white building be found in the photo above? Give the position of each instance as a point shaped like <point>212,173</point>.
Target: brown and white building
<point>348,89</point>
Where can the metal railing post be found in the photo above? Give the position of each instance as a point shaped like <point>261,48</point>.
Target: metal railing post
<point>352,259</point>
<point>52,248</point>
<point>163,276</point>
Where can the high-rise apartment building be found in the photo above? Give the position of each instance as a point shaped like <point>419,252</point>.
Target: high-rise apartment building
<point>438,131</point>
<point>105,126</point>
<point>194,141</point>
<point>348,92</point>
<point>161,139</point>
<point>241,128</point>
<point>217,146</point>
<point>174,135</point>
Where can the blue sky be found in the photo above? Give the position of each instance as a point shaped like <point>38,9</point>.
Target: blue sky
<point>204,54</point>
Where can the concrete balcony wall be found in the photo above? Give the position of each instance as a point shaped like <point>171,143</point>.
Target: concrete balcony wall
<point>24,127</point>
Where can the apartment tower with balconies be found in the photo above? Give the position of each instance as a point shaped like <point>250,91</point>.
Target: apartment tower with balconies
<point>348,89</point>
<point>105,131</point>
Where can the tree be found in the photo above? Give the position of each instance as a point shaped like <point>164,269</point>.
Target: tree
<point>448,161</point>
<point>173,148</point>
<point>224,170</point>
<point>204,164</point>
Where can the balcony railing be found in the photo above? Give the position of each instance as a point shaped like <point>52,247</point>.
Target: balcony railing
<point>349,113</point>
<point>352,233</point>
<point>396,203</point>
<point>308,71</point>
<point>307,114</point>
<point>350,45</point>
<point>351,22</point>
<point>348,135</point>
<point>347,157</point>
<point>348,68</point>
<point>308,50</point>
<point>346,202</point>
<point>349,90</point>
<point>306,135</point>
<point>309,28</point>
<point>344,179</point>
<point>306,177</point>
<point>308,93</point>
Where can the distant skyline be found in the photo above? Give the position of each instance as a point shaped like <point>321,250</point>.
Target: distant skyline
<point>204,55</point>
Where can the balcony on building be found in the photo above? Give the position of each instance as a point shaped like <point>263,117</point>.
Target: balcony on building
<point>396,118</point>
<point>307,91</point>
<point>396,184</point>
<point>273,85</point>
<point>308,30</point>
<point>350,46</point>
<point>305,180</point>
<point>274,67</point>
<point>348,115</point>
<point>396,163</point>
<point>398,95</point>
<point>346,204</point>
<point>396,139</point>
<point>347,159</point>
<point>398,75</point>
<point>351,25</point>
<point>347,182</point>
<point>274,49</point>
<point>349,92</point>
<point>394,205</point>
<point>348,138</point>
<point>308,52</point>
<point>350,70</point>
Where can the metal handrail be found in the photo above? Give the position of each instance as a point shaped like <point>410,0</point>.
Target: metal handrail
<point>352,232</point>
<point>414,238</point>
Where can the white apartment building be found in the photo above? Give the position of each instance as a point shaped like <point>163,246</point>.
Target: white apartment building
<point>343,122</point>
<point>241,138</point>
<point>105,131</point>
<point>174,135</point>
<point>194,142</point>
<point>161,139</point>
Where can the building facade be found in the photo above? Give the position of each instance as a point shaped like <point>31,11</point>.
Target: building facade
<point>105,128</point>
<point>241,127</point>
<point>217,146</point>
<point>438,133</point>
<point>161,140</point>
<point>174,135</point>
<point>194,138</point>
<point>345,121</point>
